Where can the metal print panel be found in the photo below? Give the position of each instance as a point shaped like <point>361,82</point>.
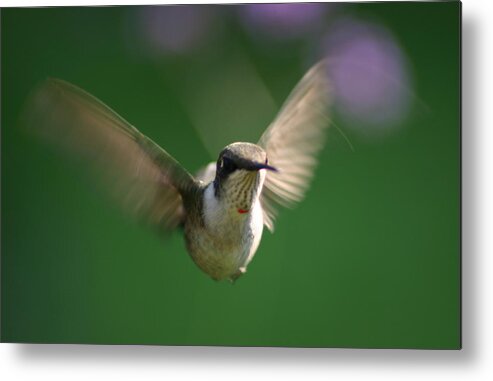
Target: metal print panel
<point>235,175</point>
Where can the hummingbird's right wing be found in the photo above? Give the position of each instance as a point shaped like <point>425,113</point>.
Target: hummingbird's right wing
<point>144,177</point>
<point>293,140</point>
<point>207,174</point>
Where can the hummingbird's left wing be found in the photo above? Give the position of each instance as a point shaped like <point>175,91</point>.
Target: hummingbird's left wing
<point>293,140</point>
<point>147,180</point>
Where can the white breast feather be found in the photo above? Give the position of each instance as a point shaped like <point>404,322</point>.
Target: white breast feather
<point>225,222</point>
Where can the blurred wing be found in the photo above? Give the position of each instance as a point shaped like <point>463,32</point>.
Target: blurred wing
<point>293,140</point>
<point>143,177</point>
<point>207,174</point>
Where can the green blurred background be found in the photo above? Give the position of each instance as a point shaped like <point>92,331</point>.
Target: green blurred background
<point>371,258</point>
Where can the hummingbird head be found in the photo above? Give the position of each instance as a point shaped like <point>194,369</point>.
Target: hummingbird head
<point>240,174</point>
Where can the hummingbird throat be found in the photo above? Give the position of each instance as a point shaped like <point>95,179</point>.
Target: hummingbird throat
<point>241,191</point>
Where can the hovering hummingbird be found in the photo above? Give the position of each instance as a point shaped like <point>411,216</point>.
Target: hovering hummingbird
<point>223,208</point>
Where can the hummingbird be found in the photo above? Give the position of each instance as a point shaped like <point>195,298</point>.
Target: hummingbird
<point>223,209</point>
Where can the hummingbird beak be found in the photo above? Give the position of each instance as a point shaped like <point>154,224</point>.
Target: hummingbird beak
<point>258,166</point>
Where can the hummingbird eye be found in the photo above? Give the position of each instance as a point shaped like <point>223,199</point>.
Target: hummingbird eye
<point>228,165</point>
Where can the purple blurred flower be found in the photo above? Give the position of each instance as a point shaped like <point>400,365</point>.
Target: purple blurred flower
<point>176,29</point>
<point>370,74</point>
<point>283,20</point>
